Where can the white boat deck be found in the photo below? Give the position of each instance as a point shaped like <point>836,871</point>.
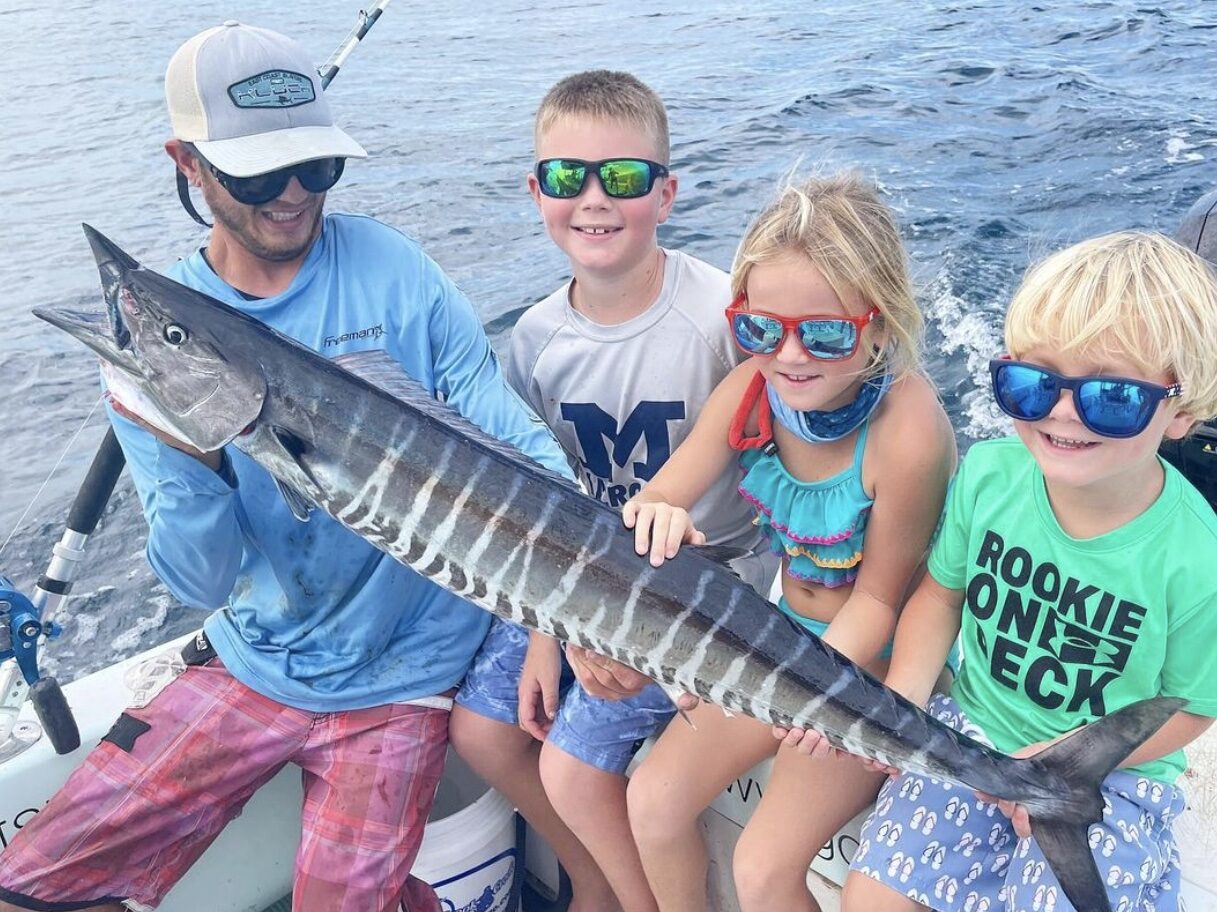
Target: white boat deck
<point>232,878</point>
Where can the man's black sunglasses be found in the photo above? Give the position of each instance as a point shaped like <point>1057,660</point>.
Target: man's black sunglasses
<point>315,176</point>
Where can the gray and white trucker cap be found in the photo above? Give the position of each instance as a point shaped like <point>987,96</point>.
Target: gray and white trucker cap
<point>251,101</point>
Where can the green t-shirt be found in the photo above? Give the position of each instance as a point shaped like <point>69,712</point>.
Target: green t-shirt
<point>1058,631</point>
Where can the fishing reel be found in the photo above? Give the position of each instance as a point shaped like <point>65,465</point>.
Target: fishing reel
<point>24,621</point>
<point>21,628</point>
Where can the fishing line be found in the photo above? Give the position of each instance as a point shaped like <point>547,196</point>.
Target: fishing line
<point>46,481</point>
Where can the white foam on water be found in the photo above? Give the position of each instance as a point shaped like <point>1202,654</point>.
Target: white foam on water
<point>85,628</point>
<point>1179,150</point>
<point>973,331</point>
<point>131,639</point>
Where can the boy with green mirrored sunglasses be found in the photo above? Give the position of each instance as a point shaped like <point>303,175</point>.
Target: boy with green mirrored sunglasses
<point>596,360</point>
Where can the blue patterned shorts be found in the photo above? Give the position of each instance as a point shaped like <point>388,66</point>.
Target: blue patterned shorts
<point>939,845</point>
<point>602,733</point>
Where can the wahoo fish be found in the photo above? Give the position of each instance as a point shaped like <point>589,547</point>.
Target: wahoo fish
<point>473,514</point>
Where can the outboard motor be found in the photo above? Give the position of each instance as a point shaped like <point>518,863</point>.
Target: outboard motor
<point>1196,455</point>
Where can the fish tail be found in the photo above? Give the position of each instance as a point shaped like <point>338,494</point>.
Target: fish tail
<point>1083,761</point>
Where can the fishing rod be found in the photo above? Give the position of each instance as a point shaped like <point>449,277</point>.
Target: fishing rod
<point>24,622</point>
<point>367,19</point>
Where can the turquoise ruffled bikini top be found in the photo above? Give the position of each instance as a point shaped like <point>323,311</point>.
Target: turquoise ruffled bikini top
<point>818,526</point>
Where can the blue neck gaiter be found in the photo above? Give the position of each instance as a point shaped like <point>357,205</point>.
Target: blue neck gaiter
<point>824,427</point>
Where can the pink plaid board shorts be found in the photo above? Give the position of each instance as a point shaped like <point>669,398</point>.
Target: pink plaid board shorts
<point>158,789</point>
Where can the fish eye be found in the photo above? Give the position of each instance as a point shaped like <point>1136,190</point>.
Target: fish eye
<point>176,335</point>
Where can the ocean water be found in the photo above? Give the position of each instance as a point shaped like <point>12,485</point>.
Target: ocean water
<point>999,131</point>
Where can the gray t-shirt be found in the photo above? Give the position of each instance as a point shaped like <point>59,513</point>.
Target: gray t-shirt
<point>621,398</point>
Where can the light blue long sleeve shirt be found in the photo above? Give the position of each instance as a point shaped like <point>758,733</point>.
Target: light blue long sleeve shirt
<point>309,613</point>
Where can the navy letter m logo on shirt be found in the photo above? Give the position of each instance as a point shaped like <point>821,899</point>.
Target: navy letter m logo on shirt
<point>596,429</point>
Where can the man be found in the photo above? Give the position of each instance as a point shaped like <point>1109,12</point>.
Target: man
<point>324,652</point>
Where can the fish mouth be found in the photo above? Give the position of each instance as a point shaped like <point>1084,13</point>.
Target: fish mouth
<point>103,331</point>
<point>94,328</point>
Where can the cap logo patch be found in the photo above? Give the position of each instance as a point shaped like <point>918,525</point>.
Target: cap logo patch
<point>272,89</point>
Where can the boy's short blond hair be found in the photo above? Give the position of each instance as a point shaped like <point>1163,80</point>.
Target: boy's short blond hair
<point>1133,295</point>
<point>607,95</point>
<point>851,236</point>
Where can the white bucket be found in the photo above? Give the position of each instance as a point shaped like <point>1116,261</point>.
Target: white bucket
<point>469,852</point>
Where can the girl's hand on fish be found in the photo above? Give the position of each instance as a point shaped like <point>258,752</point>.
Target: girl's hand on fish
<point>687,701</point>
<point>808,742</point>
<point>659,528</point>
<point>604,677</point>
<point>538,689</point>
<point>813,744</point>
<point>876,767</point>
<point>212,460</point>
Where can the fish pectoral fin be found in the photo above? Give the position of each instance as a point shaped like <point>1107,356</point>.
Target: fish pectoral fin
<point>300,505</point>
<point>295,448</point>
<point>302,491</point>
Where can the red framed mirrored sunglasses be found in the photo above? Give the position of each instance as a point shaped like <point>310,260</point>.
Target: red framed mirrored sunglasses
<point>823,337</point>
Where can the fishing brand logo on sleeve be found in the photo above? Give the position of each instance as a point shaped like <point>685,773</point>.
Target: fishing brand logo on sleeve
<point>602,445</point>
<point>272,89</point>
<point>1059,640</point>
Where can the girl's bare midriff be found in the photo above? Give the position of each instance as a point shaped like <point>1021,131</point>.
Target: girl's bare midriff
<point>811,464</point>
<point>812,600</point>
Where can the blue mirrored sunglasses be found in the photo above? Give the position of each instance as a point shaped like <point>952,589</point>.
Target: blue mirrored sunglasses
<point>1108,406</point>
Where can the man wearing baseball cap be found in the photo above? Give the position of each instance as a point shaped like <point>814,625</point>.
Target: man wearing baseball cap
<point>323,652</point>
<point>241,141</point>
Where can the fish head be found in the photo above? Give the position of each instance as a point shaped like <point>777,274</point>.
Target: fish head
<point>180,358</point>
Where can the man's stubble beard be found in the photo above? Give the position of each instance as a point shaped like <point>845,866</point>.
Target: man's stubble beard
<point>240,221</point>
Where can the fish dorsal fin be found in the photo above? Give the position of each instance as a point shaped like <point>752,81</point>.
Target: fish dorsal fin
<point>384,372</point>
<point>723,555</point>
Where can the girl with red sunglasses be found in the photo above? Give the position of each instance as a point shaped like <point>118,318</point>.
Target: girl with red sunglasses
<point>844,451</point>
